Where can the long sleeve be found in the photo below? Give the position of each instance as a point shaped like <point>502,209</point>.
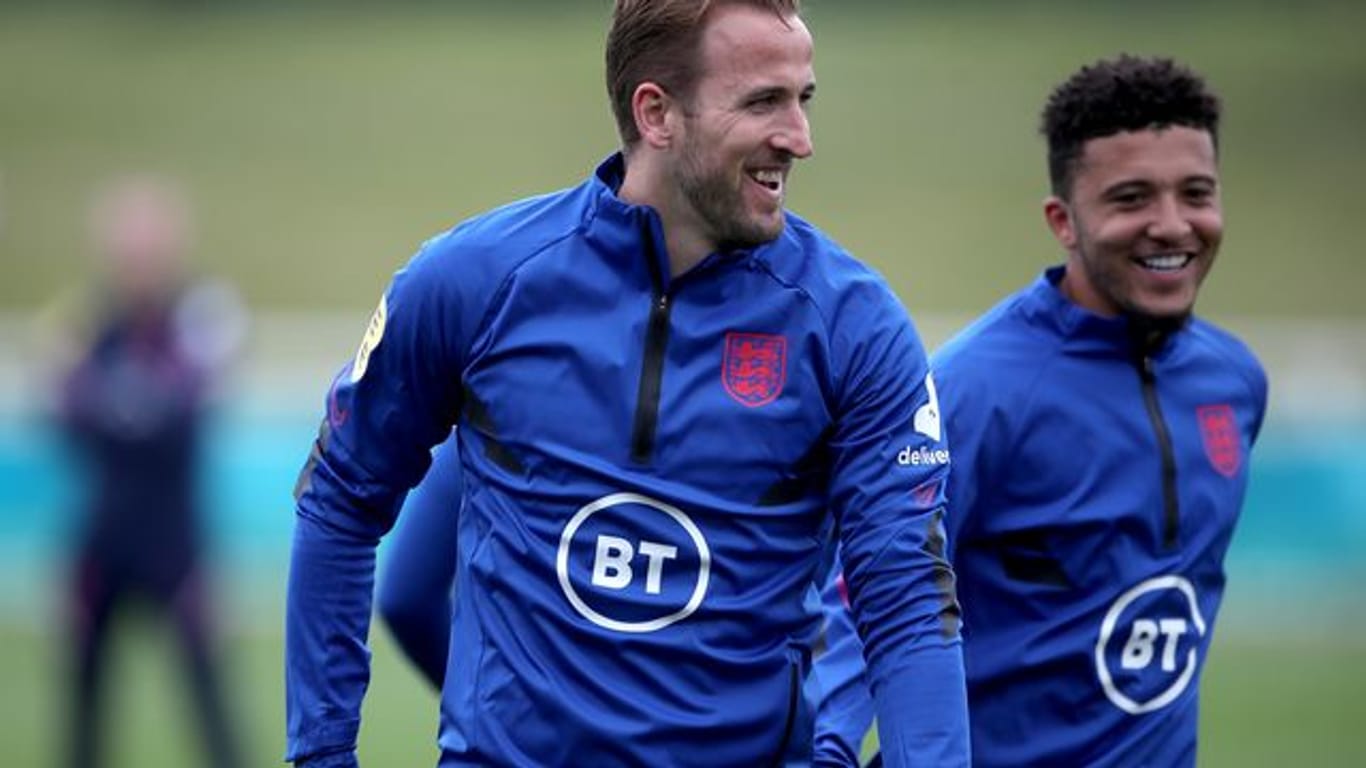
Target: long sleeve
<point>891,465</point>
<point>385,411</point>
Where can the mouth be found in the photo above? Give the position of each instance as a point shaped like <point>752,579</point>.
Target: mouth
<point>770,179</point>
<point>1166,263</point>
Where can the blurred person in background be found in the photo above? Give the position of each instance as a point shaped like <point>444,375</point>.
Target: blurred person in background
<point>1100,435</point>
<point>134,381</point>
<point>670,394</point>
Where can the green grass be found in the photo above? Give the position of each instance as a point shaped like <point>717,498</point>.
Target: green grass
<point>324,145</point>
<point>1264,703</point>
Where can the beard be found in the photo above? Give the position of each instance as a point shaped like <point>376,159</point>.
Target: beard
<point>719,203</point>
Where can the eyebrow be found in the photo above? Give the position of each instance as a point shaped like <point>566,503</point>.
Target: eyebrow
<point>778,90</point>
<point>1142,183</point>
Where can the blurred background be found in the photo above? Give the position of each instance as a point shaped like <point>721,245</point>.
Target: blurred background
<point>317,144</point>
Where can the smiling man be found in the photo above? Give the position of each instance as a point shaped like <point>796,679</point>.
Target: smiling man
<point>1100,434</point>
<point>670,392</point>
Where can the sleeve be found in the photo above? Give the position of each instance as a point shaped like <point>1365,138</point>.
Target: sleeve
<point>385,411</point>
<point>974,424</point>
<point>890,466</point>
<point>413,597</point>
<point>844,708</point>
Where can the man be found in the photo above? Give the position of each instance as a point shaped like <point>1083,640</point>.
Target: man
<point>132,394</point>
<point>1101,435</point>
<point>662,381</point>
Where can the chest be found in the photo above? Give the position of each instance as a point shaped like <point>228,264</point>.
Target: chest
<point>719,383</point>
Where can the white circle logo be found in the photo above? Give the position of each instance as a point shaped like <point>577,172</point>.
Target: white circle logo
<point>616,563</point>
<point>1152,641</point>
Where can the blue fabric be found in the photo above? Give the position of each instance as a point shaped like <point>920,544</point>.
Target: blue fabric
<point>634,550</point>
<point>1058,534</point>
<point>414,590</point>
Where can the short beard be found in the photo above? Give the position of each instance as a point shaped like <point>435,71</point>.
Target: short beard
<point>720,206</point>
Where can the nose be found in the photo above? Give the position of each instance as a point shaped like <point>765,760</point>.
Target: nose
<point>1170,221</point>
<point>793,136</point>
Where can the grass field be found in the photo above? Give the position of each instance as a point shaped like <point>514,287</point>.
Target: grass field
<point>1264,704</point>
<point>323,146</point>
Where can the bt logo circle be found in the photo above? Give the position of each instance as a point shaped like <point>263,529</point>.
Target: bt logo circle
<point>1144,669</point>
<point>630,563</point>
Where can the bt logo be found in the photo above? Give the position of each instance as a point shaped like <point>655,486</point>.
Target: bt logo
<point>1139,657</point>
<point>1138,652</point>
<point>612,564</point>
<point>641,581</point>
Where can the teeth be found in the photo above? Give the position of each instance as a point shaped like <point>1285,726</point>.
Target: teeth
<point>1166,262</point>
<point>773,179</point>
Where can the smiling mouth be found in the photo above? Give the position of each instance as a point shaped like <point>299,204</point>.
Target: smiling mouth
<point>1165,262</point>
<point>770,179</point>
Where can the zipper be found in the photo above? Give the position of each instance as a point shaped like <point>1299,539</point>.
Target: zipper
<point>652,366</point>
<point>1172,514</point>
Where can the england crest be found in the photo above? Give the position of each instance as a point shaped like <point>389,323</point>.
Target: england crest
<point>754,367</point>
<point>1223,445</point>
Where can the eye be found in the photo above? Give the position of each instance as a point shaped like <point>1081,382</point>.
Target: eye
<point>762,102</point>
<point>1129,198</point>
<point>1199,195</point>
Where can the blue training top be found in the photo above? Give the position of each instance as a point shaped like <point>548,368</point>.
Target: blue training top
<point>649,461</point>
<point>1094,492</point>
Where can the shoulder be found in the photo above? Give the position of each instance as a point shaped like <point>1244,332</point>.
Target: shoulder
<point>1230,350</point>
<point>841,287</point>
<point>1002,350</point>
<point>498,241</point>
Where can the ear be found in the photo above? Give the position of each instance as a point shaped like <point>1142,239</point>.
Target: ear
<point>653,107</point>
<point>1058,215</point>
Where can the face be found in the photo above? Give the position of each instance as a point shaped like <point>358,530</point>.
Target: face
<point>1143,224</point>
<point>744,126</point>
<point>141,234</point>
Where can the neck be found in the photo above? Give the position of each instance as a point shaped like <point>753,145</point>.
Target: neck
<point>686,246</point>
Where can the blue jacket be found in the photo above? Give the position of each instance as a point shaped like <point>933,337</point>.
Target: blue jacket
<point>648,463</point>
<point>1092,499</point>
<point>417,569</point>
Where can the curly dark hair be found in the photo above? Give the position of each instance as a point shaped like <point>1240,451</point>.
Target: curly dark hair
<point>1126,93</point>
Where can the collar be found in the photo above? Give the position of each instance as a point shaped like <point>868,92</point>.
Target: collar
<point>615,223</point>
<point>1085,331</point>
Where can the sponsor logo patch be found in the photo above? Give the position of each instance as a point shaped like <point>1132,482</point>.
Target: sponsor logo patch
<point>1147,652</point>
<point>754,367</point>
<point>927,421</point>
<point>630,563</point>
<point>374,333</point>
<point>1223,445</point>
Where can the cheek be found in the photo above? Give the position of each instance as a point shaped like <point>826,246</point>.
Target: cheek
<point>1209,226</point>
<point>1114,231</point>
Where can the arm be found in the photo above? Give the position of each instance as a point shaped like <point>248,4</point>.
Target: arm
<point>888,491</point>
<point>419,569</point>
<point>384,412</point>
<point>845,725</point>
<point>844,707</point>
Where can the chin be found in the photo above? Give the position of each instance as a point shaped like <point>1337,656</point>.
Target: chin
<point>1161,319</point>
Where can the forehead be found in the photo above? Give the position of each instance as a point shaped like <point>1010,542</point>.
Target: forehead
<point>744,46</point>
<point>1159,154</point>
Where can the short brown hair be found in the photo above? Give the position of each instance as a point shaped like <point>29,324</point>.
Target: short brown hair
<point>656,41</point>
